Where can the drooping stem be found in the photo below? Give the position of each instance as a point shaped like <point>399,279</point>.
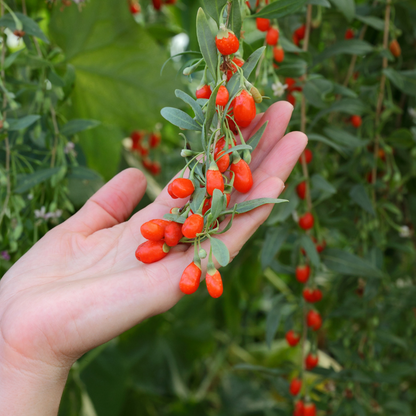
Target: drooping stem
<point>56,136</point>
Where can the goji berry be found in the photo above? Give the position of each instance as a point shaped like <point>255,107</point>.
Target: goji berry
<point>203,92</point>
<point>243,180</point>
<point>214,284</point>
<point>182,187</point>
<point>147,163</point>
<point>193,225</point>
<point>299,408</point>
<point>170,192</point>
<point>214,179</point>
<point>300,32</point>
<point>291,98</point>
<point>320,247</point>
<point>144,151</point>
<point>157,4</point>
<point>272,36</point>
<point>262,24</point>
<point>314,320</point>
<point>155,139</point>
<point>309,409</point>
<point>136,136</point>
<point>239,62</point>
<point>244,109</point>
<point>295,39</point>
<point>317,295</point>
<point>349,34</point>
<point>222,96</point>
<point>134,8</point>
<point>152,251</point>
<point>295,386</point>
<point>224,161</point>
<point>356,121</point>
<point>170,2</point>
<point>306,221</point>
<point>152,231</point>
<point>290,82</point>
<point>308,295</point>
<point>190,279</point>
<point>311,361</point>
<point>227,42</point>
<point>308,156</point>
<point>395,48</point>
<point>292,338</point>
<point>155,168</point>
<point>302,273</point>
<point>173,233</point>
<point>278,54</point>
<point>301,190</point>
<point>228,196</point>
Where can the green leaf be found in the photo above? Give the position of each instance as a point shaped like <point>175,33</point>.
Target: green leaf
<point>11,58</point>
<point>195,106</point>
<point>255,139</point>
<point>214,7</point>
<point>275,237</point>
<point>323,3</point>
<point>404,80</point>
<point>319,138</point>
<point>235,21</point>
<point>274,316</point>
<point>246,206</point>
<point>346,263</point>
<point>280,8</point>
<point>346,7</point>
<point>173,217</point>
<point>82,172</point>
<point>292,66</point>
<point>288,46</point>
<point>346,92</point>
<point>359,195</point>
<point>319,182</point>
<point>343,138</point>
<point>197,198</point>
<point>345,47</point>
<point>372,21</point>
<point>26,182</point>
<point>220,251</point>
<point>206,42</point>
<point>316,90</point>
<point>77,125</point>
<point>30,27</point>
<point>211,109</point>
<point>16,124</point>
<point>309,246</point>
<point>180,119</point>
<point>217,204</point>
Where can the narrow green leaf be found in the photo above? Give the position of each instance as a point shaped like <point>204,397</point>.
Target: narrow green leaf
<point>16,124</point>
<point>316,91</point>
<point>195,106</point>
<point>255,139</point>
<point>209,115</point>
<point>235,21</point>
<point>220,251</point>
<point>206,42</point>
<point>180,119</point>
<point>214,7</point>
<point>30,27</point>
<point>404,80</point>
<point>346,92</point>
<point>346,7</point>
<point>348,47</point>
<point>26,182</point>
<point>255,203</point>
<point>217,204</point>
<point>319,138</point>
<point>319,182</point>
<point>78,125</point>
<point>323,3</point>
<point>359,195</point>
<point>309,246</point>
<point>176,218</point>
<point>372,21</point>
<point>280,9</point>
<point>84,173</point>
<point>11,58</point>
<point>275,237</point>
<point>288,46</point>
<point>236,148</point>
<point>179,54</point>
<point>343,138</point>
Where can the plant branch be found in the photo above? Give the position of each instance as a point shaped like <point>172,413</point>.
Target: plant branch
<point>354,59</point>
<point>56,135</point>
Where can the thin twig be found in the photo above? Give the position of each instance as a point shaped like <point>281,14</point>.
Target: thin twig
<point>354,59</point>
<point>56,135</point>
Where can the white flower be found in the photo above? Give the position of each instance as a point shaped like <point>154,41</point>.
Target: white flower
<point>412,112</point>
<point>30,197</point>
<point>40,213</point>
<point>404,231</point>
<point>278,89</point>
<point>69,147</point>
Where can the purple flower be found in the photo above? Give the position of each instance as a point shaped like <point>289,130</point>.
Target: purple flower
<point>5,255</point>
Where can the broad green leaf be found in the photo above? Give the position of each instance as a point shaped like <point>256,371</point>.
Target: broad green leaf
<point>26,182</point>
<point>197,198</point>
<point>214,7</point>
<point>75,126</point>
<point>342,47</point>
<point>316,90</point>
<point>195,106</point>
<point>235,18</point>
<point>246,206</point>
<point>255,139</point>
<point>372,21</point>
<point>280,8</point>
<point>319,182</point>
<point>310,249</point>
<point>275,237</point>
<point>180,119</point>
<point>30,27</point>
<point>220,251</point>
<point>16,124</point>
<point>342,262</point>
<point>404,80</point>
<point>402,138</point>
<point>359,195</point>
<point>346,7</point>
<point>206,42</point>
<point>176,218</point>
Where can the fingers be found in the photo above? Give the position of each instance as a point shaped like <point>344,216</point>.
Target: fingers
<point>110,205</point>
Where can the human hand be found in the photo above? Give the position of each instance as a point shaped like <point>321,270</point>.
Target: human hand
<point>81,285</point>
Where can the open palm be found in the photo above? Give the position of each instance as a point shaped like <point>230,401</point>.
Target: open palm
<point>81,284</point>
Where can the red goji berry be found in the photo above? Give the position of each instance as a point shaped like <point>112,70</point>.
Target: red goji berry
<point>182,187</point>
<point>356,121</point>
<point>309,409</point>
<point>243,180</point>
<point>152,251</point>
<point>170,192</point>
<point>222,96</point>
<point>306,221</point>
<point>308,295</point>
<point>152,231</point>
<point>395,48</point>
<point>239,62</point>
<point>193,226</point>
<point>308,156</point>
<point>295,386</point>
<point>262,24</point>
<point>228,196</point>
<point>291,98</point>
<point>292,338</point>
<point>301,190</point>
<point>295,39</point>
<point>244,109</point>
<point>302,273</point>
<point>278,54</point>
<point>349,34</point>
<point>299,408</point>
<point>314,320</point>
<point>214,284</point>
<point>134,8</point>
<point>311,361</point>
<point>214,179</point>
<point>224,161</point>
<point>203,92</point>
<point>147,163</point>
<point>300,32</point>
<point>155,139</point>
<point>227,42</point>
<point>272,36</point>
<point>317,295</point>
<point>155,168</point>
<point>190,279</point>
<point>157,4</point>
<point>173,233</point>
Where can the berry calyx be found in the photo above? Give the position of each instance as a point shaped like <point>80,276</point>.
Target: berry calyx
<point>278,53</point>
<point>302,273</point>
<point>193,225</point>
<point>292,338</point>
<point>226,42</point>
<point>356,121</point>
<point>295,386</point>
<point>152,251</point>
<point>395,48</point>
<point>272,36</point>
<point>314,320</point>
<point>190,279</point>
<point>203,91</point>
<point>311,361</point>
<point>173,234</point>
<point>182,187</point>
<point>301,190</point>
<point>214,283</point>
<point>308,156</point>
<point>222,96</point>
<point>244,109</point>
<point>306,221</point>
<point>262,24</point>
<point>243,179</point>
<point>214,179</point>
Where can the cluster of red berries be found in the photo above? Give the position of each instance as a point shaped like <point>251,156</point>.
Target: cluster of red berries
<point>141,143</point>
<point>272,37</point>
<point>291,87</point>
<point>135,8</point>
<point>213,174</point>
